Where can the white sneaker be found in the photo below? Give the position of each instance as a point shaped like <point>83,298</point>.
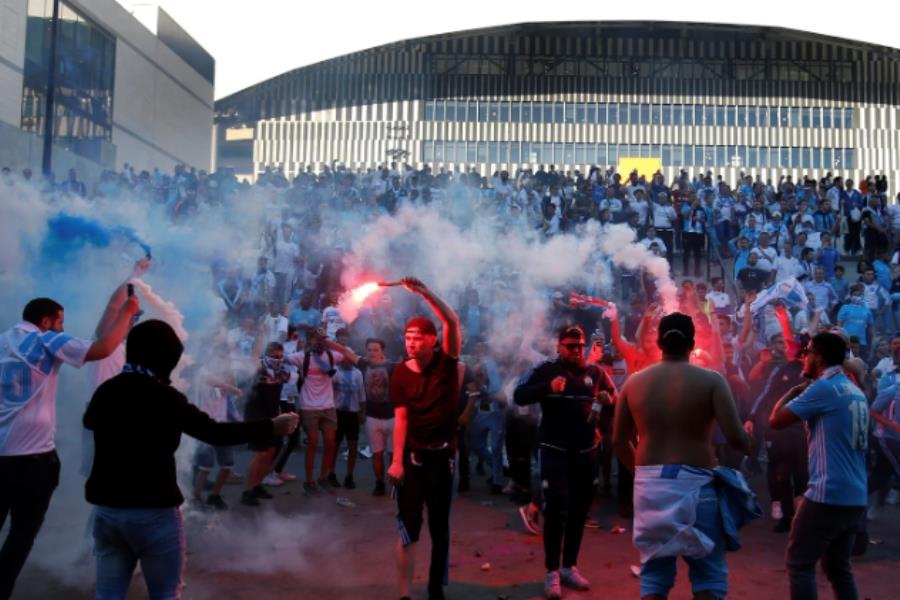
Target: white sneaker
<point>777,513</point>
<point>571,578</point>
<point>893,497</point>
<point>552,589</point>
<point>272,480</point>
<point>285,476</point>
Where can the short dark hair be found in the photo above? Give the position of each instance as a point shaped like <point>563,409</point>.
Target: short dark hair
<point>676,334</point>
<point>831,347</point>
<point>570,331</point>
<point>273,346</point>
<point>373,340</point>
<point>39,308</point>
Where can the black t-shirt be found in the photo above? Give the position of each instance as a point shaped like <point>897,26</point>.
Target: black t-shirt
<point>377,379</point>
<point>752,278</point>
<point>137,424</point>
<point>431,399</point>
<point>265,395</point>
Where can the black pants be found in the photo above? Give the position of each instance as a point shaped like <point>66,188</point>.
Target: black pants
<point>521,447</point>
<point>887,464</point>
<point>668,238</point>
<point>787,473</point>
<point>692,244</point>
<point>568,482</point>
<point>26,485</point>
<point>427,482</point>
<point>293,440</point>
<point>827,532</point>
<point>851,240</point>
<point>462,444</point>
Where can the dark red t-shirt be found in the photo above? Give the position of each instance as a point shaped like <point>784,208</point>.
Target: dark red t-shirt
<point>430,398</point>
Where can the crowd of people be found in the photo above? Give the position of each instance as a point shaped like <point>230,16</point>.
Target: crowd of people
<point>762,270</point>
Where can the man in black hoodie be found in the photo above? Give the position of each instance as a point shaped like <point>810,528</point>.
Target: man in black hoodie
<point>571,394</point>
<point>137,419</point>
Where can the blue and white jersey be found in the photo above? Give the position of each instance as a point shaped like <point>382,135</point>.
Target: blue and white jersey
<point>837,424</point>
<point>29,370</point>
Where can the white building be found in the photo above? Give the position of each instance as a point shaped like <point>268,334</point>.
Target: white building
<point>122,93</point>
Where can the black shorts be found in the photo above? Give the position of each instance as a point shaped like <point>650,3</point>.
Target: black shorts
<point>427,481</point>
<point>347,426</point>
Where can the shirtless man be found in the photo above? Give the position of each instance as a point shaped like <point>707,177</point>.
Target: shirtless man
<point>673,407</point>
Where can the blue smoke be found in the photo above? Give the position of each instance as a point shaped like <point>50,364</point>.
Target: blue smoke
<point>69,234</point>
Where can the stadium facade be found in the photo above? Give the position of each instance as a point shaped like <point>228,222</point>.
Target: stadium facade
<point>727,98</point>
<point>121,92</point>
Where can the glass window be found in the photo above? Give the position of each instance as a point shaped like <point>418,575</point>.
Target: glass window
<point>592,113</point>
<point>677,159</point>
<point>721,158</point>
<point>667,155</point>
<point>848,158</point>
<point>613,151</point>
<point>752,157</point>
<point>558,115</point>
<point>826,118</point>
<point>515,155</point>
<point>428,147</point>
<point>634,113</point>
<point>763,157</point>
<point>806,117</point>
<point>439,151</point>
<point>784,158</point>
<point>687,113</point>
<point>470,152</point>
<point>481,152</point>
<point>580,113</point>
<point>471,111</point>
<point>504,152</point>
<point>548,112</point>
<point>794,116</point>
<point>730,116</point>
<point>429,116</point>
<point>483,112</point>
<point>613,114</point>
<point>451,112</point>
<point>569,115</point>
<point>709,115</point>
<point>784,116</point>
<point>529,152</point>
<point>515,111</point>
<point>568,154</point>
<point>741,116</point>
<point>719,116</point>
<point>646,152</point>
<point>848,117</point>
<point>601,155</point>
<point>526,112</point>
<point>493,152</point>
<point>677,114</point>
<point>828,158</point>
<point>752,112</point>
<point>439,110</point>
<point>494,112</point>
<point>816,157</point>
<point>504,112</point>
<point>645,114</point>
<point>689,154</point>
<point>557,153</point>
<point>580,153</point>
<point>537,112</point>
<point>545,152</point>
<point>795,158</point>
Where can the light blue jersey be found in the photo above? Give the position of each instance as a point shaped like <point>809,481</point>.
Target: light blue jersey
<point>837,425</point>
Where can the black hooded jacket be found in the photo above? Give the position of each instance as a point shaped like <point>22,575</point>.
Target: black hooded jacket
<point>137,419</point>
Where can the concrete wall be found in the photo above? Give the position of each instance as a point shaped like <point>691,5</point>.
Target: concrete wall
<point>162,108</point>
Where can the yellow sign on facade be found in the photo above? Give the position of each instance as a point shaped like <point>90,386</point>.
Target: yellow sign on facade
<point>645,166</point>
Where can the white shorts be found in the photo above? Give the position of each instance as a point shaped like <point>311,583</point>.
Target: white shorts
<point>380,433</point>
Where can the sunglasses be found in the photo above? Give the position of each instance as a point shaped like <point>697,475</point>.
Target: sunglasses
<point>573,346</point>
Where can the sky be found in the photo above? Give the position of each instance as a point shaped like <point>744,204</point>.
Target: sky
<point>252,41</point>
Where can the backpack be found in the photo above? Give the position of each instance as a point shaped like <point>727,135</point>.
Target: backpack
<point>301,377</point>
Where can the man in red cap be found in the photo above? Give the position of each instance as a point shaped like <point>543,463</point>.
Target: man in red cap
<point>425,391</point>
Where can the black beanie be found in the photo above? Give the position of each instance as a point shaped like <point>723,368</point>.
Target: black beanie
<point>154,346</point>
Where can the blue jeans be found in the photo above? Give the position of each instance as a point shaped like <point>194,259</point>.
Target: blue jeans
<point>484,423</point>
<point>707,574</point>
<point>124,536</point>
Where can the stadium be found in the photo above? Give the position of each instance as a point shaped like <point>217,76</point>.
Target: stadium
<point>727,98</point>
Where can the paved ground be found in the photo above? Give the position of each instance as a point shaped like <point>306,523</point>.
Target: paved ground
<point>298,547</point>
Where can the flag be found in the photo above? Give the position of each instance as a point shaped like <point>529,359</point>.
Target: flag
<point>789,291</point>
